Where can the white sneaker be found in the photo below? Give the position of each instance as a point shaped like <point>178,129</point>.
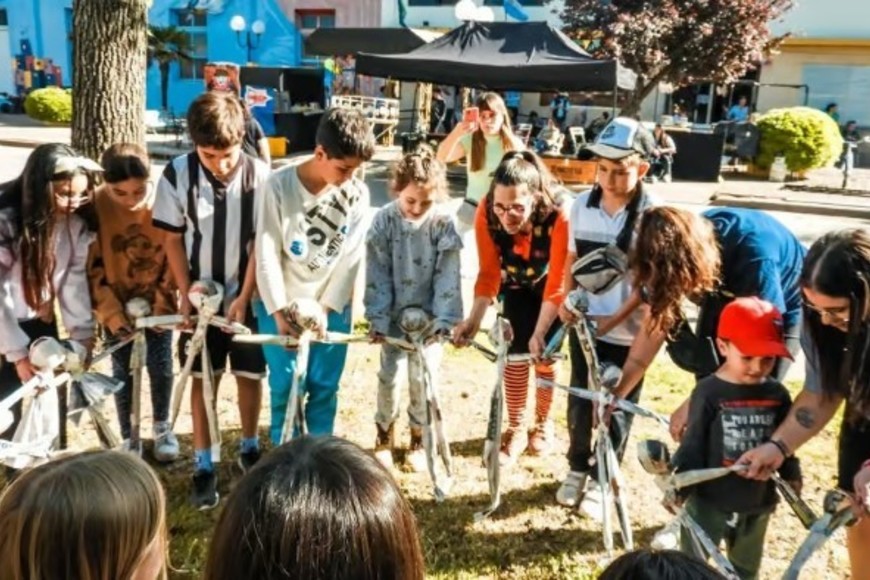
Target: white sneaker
<point>127,448</point>
<point>667,538</point>
<point>569,492</point>
<point>165,443</point>
<point>591,505</point>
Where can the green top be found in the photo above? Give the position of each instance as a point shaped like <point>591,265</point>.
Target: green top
<point>479,181</point>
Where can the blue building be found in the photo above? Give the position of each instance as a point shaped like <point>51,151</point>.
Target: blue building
<point>44,27</point>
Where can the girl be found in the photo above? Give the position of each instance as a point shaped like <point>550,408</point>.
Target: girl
<point>44,238</point>
<point>412,260</point>
<point>91,516</point>
<point>522,241</point>
<point>483,143</point>
<point>835,284</point>
<point>128,261</point>
<point>317,507</point>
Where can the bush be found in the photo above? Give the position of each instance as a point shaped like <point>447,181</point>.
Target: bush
<point>808,138</point>
<point>51,105</point>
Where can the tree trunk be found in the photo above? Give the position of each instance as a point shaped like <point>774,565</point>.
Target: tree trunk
<point>109,58</point>
<point>164,85</point>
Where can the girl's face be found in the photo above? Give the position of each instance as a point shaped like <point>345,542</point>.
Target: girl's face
<point>490,121</point>
<point>132,194</point>
<point>512,205</point>
<point>153,560</point>
<point>70,194</point>
<point>415,202</point>
<point>833,311</point>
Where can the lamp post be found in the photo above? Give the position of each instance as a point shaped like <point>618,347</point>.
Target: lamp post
<point>251,40</point>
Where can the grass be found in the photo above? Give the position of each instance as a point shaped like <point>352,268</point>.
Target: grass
<point>529,536</point>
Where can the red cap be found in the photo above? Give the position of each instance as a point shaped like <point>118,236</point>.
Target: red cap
<point>754,326</point>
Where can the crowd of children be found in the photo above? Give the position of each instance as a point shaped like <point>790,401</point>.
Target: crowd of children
<point>93,236</point>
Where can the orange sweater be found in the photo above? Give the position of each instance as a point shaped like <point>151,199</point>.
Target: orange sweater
<point>490,275</point>
<point>128,260</point>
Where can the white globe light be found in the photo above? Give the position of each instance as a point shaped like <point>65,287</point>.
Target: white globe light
<point>237,23</point>
<point>258,27</point>
<point>484,14</point>
<point>465,10</point>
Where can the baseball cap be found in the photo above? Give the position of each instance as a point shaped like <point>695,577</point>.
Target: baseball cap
<point>754,326</point>
<point>621,137</point>
<point>69,164</point>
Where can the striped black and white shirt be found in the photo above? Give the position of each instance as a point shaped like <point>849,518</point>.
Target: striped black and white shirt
<point>216,218</point>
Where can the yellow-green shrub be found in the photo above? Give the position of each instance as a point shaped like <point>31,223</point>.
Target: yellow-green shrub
<point>807,138</point>
<point>51,105</point>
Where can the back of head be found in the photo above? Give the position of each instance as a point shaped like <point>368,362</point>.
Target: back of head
<point>345,134</point>
<point>658,565</point>
<point>217,120</point>
<point>123,161</point>
<point>316,508</point>
<point>90,516</point>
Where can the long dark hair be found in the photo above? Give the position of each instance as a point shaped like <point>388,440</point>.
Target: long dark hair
<point>659,565</point>
<point>524,168</point>
<point>838,265</point>
<point>30,199</point>
<point>317,507</point>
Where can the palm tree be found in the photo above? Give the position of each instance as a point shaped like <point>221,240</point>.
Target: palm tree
<point>167,44</point>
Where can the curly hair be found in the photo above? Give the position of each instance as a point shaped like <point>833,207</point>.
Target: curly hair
<point>675,256</point>
<point>422,169</point>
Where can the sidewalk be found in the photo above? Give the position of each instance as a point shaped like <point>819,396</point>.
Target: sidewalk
<point>819,194</point>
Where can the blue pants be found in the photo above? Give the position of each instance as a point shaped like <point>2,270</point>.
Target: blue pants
<point>325,365</point>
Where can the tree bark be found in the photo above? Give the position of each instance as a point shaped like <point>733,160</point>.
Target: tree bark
<point>109,58</point>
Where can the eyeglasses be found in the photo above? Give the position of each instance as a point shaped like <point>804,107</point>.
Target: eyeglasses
<point>839,314</point>
<point>514,208</point>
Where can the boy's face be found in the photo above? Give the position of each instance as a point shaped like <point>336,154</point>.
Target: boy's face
<point>131,194</point>
<point>742,369</point>
<point>619,178</point>
<point>221,162</point>
<point>335,171</point>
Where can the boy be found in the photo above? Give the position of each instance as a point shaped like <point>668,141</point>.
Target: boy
<point>734,410</point>
<point>205,200</point>
<point>602,217</point>
<point>312,222</point>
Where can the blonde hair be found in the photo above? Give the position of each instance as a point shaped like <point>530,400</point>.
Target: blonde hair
<point>422,169</point>
<point>490,102</point>
<point>89,516</point>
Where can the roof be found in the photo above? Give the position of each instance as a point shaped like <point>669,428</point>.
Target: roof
<point>341,41</point>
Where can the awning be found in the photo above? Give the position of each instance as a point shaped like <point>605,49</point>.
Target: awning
<point>341,41</point>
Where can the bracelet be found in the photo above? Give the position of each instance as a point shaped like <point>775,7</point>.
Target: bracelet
<point>781,446</point>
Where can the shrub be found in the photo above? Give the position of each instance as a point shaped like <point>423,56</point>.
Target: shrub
<point>51,105</point>
<point>807,138</point>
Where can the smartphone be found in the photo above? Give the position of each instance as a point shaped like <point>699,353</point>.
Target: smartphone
<point>470,115</point>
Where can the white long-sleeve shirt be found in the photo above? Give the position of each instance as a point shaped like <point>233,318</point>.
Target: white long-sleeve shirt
<point>70,241</point>
<point>309,245</point>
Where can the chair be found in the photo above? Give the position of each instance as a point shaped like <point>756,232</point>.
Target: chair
<point>577,138</point>
<point>524,132</point>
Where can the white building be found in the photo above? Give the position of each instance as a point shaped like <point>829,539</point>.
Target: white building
<point>440,13</point>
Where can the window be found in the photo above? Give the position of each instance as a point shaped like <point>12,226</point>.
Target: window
<point>846,85</point>
<point>307,21</point>
<point>4,19</point>
<point>193,23</point>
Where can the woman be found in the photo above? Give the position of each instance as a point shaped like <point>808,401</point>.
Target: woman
<point>710,259</point>
<point>522,241</point>
<point>482,144</point>
<point>316,508</point>
<point>836,340</point>
<point>663,155</point>
<point>91,516</point>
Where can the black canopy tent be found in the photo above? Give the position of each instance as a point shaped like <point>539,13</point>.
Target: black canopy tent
<point>341,41</point>
<point>519,56</point>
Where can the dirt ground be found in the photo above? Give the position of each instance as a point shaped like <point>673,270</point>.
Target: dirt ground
<point>530,536</point>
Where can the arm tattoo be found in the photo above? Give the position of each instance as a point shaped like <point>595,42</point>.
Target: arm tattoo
<point>805,417</point>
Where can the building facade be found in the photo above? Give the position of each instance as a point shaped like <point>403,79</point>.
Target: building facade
<point>42,29</point>
<point>439,14</point>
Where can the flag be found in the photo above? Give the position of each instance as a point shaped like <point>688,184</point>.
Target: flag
<point>403,14</point>
<point>514,9</point>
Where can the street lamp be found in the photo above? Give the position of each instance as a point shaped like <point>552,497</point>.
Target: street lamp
<point>258,27</point>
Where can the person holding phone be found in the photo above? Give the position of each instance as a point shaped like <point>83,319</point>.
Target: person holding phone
<point>482,138</point>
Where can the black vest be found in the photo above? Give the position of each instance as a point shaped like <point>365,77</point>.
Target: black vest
<point>516,270</point>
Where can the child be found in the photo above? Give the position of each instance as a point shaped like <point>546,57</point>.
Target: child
<point>205,201</point>
<point>733,411</point>
<point>129,261</point>
<point>522,239</point>
<point>310,241</point>
<point>98,514</point>
<point>45,229</point>
<point>317,507</point>
<point>412,259</point>
<point>601,217</point>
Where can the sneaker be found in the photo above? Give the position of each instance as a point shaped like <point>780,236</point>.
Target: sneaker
<point>416,456</point>
<point>667,538</point>
<point>247,459</point>
<point>540,439</point>
<point>165,443</point>
<point>384,445</point>
<point>667,178</point>
<point>569,492</point>
<point>513,443</point>
<point>204,495</point>
<point>591,504</point>
<point>127,447</point>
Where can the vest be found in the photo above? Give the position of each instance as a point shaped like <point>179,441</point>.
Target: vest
<point>516,270</point>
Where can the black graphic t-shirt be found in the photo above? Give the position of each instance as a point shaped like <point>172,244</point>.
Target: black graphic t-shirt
<point>725,421</point>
